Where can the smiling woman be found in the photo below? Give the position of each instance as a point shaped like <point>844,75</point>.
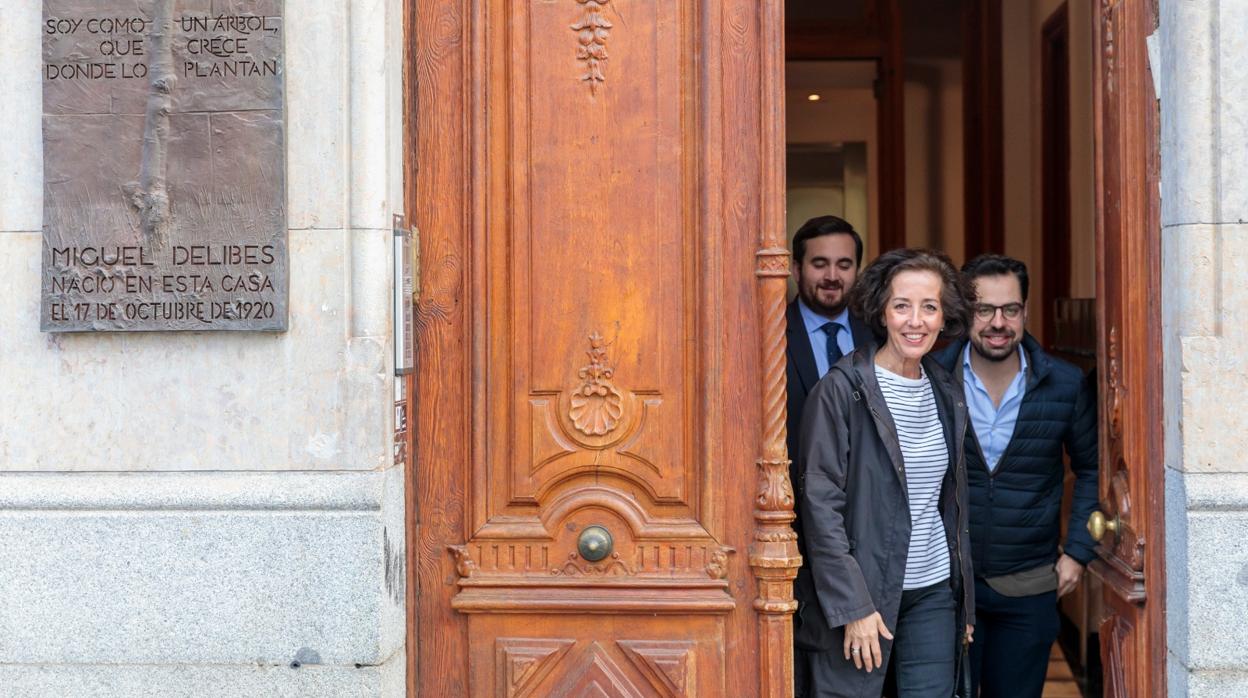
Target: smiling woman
<point>876,288</point>
<point>888,405</point>
<point>913,317</point>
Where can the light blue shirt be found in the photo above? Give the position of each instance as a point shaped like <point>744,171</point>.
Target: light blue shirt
<point>819,339</point>
<point>994,426</point>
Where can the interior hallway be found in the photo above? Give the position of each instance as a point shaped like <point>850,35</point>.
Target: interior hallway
<point>1060,683</point>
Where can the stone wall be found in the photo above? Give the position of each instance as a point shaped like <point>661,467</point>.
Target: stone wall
<point>200,513</point>
<point>1203,87</point>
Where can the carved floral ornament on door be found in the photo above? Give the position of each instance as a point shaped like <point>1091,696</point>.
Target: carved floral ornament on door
<point>592,32</point>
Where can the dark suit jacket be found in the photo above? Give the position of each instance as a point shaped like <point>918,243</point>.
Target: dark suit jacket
<point>801,372</point>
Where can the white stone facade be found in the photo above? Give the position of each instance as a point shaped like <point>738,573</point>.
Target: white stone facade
<point>1203,88</point>
<point>214,514</point>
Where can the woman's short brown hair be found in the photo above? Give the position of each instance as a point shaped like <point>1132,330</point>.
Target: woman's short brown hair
<point>870,294</point>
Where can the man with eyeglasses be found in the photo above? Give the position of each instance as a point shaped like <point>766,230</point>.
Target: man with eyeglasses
<point>1026,408</point>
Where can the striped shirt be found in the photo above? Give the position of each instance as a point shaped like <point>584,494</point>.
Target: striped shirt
<point>925,455</point>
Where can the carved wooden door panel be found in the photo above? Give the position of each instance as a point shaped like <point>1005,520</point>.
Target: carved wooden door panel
<point>1129,525</point>
<point>601,497</point>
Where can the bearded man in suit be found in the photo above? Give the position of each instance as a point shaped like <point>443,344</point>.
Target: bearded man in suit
<point>827,252</point>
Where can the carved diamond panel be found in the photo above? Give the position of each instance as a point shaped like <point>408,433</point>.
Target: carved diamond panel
<point>667,665</point>
<point>598,675</point>
<point>522,663</point>
<point>639,654</point>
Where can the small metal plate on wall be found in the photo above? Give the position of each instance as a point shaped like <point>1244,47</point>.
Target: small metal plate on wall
<point>595,543</point>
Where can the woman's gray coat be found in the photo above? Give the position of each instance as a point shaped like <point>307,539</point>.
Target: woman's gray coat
<point>855,517</point>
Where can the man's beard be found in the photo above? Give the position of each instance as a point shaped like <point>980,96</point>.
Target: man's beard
<point>812,301</point>
<point>995,354</point>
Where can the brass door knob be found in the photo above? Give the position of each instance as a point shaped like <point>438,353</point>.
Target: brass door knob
<point>1098,524</point>
<point>595,543</point>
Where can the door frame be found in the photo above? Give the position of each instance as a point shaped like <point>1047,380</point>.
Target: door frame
<point>436,153</point>
<point>409,470</point>
<point>1055,227</point>
<point>1131,560</point>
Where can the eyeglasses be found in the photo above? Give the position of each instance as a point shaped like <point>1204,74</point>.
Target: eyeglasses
<point>1010,311</point>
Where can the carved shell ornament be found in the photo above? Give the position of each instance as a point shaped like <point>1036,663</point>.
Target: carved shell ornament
<point>596,403</point>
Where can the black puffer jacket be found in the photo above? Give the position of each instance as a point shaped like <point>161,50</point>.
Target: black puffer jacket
<point>856,522</point>
<point>1015,510</point>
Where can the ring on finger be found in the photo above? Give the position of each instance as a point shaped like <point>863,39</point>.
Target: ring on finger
<point>855,650</point>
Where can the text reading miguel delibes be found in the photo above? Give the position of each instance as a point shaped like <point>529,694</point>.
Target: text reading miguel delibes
<point>244,271</point>
<point>122,48</point>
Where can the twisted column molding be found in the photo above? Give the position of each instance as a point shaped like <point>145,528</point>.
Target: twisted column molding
<point>773,552</point>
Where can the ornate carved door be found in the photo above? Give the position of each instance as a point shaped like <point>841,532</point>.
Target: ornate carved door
<point>1129,525</point>
<point>601,497</point>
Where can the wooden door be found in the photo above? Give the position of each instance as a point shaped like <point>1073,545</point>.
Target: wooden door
<point>598,190</point>
<point>1131,558</point>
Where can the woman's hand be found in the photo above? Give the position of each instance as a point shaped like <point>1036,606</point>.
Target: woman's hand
<point>970,634</point>
<point>862,641</point>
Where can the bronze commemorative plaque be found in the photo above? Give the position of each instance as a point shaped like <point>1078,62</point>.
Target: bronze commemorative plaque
<point>164,182</point>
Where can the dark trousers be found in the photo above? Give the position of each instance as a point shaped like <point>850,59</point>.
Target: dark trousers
<point>925,643</point>
<point>921,662</point>
<point>1013,638</point>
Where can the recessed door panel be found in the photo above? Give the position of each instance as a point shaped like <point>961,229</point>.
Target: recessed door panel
<point>592,216</point>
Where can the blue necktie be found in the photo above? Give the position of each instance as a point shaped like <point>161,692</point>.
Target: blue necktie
<point>834,349</point>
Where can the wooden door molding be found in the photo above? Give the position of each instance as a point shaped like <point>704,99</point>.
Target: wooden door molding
<point>410,202</point>
<point>983,192</point>
<point>774,555</point>
<point>1131,559</point>
<point>600,340</point>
